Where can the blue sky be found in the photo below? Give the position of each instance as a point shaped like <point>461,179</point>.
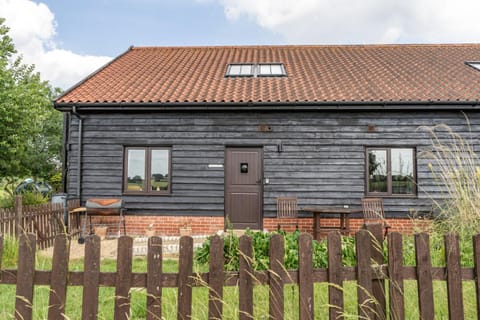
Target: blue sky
<point>110,27</point>
<point>67,40</point>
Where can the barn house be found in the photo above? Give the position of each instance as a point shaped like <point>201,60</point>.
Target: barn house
<point>210,136</point>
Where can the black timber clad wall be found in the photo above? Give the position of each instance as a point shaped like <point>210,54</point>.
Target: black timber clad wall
<point>323,158</point>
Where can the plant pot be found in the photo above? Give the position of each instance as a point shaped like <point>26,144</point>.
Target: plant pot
<point>101,231</point>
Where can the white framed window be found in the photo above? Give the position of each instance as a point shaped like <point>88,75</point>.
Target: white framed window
<point>255,70</point>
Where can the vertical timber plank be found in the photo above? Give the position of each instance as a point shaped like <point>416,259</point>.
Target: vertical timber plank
<point>245,279</point>
<point>185,270</point>
<point>25,276</point>
<point>424,276</point>
<point>476,257</point>
<point>335,276</point>
<point>364,275</point>
<point>395,273</point>
<point>58,283</point>
<point>124,278</point>
<point>378,285</point>
<point>154,278</point>
<point>305,276</point>
<point>91,276</point>
<point>454,277</point>
<point>216,278</point>
<point>276,273</point>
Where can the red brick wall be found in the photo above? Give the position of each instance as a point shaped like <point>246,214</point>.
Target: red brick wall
<point>171,225</point>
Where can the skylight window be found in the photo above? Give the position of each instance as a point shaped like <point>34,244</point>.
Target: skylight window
<point>255,70</point>
<point>240,70</point>
<point>474,64</point>
<point>271,69</point>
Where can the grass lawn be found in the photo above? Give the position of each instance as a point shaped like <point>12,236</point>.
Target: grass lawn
<point>230,308</point>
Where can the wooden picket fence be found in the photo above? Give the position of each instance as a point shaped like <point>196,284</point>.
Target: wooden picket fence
<point>45,220</point>
<point>370,274</point>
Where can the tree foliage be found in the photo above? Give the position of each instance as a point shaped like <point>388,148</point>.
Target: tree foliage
<point>30,129</point>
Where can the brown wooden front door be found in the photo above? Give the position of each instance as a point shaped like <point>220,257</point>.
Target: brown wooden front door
<point>244,187</point>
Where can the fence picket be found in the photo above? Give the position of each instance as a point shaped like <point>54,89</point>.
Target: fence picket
<point>335,276</point>
<point>305,272</point>
<point>124,278</point>
<point>378,285</point>
<point>364,275</point>
<point>424,276</point>
<point>454,277</point>
<point>395,273</point>
<point>216,277</point>
<point>476,268</point>
<point>185,274</point>
<point>91,277</point>
<point>245,285</point>
<point>154,278</point>
<point>25,277</point>
<point>276,273</point>
<point>58,286</point>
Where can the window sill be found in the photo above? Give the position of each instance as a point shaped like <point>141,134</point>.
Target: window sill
<point>163,194</point>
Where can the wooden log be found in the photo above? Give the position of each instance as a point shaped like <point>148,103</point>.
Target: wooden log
<point>395,273</point>
<point>305,281</point>
<point>91,278</point>
<point>25,276</point>
<point>185,274</point>
<point>424,276</point>
<point>154,278</point>
<point>58,286</point>
<point>335,276</point>
<point>245,281</point>
<point>216,276</point>
<point>124,278</point>
<point>276,276</point>
<point>454,277</point>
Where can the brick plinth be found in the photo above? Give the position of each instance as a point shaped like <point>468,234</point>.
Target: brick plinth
<point>173,226</point>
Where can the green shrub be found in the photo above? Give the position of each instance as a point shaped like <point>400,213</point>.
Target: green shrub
<point>261,242</point>
<point>33,198</point>
<point>10,252</point>
<point>7,202</point>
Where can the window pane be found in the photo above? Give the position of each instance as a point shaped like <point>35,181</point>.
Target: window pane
<point>136,170</point>
<point>159,171</point>
<point>265,69</point>
<point>277,69</point>
<point>402,171</point>
<point>377,171</point>
<point>234,70</point>
<point>246,69</point>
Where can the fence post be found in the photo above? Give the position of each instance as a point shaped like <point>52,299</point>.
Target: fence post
<point>18,215</point>
<point>378,285</point>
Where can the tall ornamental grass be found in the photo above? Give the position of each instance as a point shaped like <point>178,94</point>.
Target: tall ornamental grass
<point>456,169</point>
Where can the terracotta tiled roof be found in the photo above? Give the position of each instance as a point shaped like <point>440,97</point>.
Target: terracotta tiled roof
<point>390,73</point>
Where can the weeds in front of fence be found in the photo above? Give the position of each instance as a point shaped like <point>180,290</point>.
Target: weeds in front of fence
<point>455,166</point>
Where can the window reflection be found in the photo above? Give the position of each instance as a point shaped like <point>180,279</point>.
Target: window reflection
<point>136,170</point>
<point>377,174</point>
<point>402,171</point>
<point>159,171</point>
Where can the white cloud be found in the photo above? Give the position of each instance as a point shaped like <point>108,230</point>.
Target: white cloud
<point>366,21</point>
<point>32,28</point>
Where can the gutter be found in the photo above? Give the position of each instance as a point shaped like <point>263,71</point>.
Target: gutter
<point>272,106</point>
<point>79,156</point>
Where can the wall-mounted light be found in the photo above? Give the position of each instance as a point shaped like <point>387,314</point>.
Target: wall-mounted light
<point>280,147</point>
